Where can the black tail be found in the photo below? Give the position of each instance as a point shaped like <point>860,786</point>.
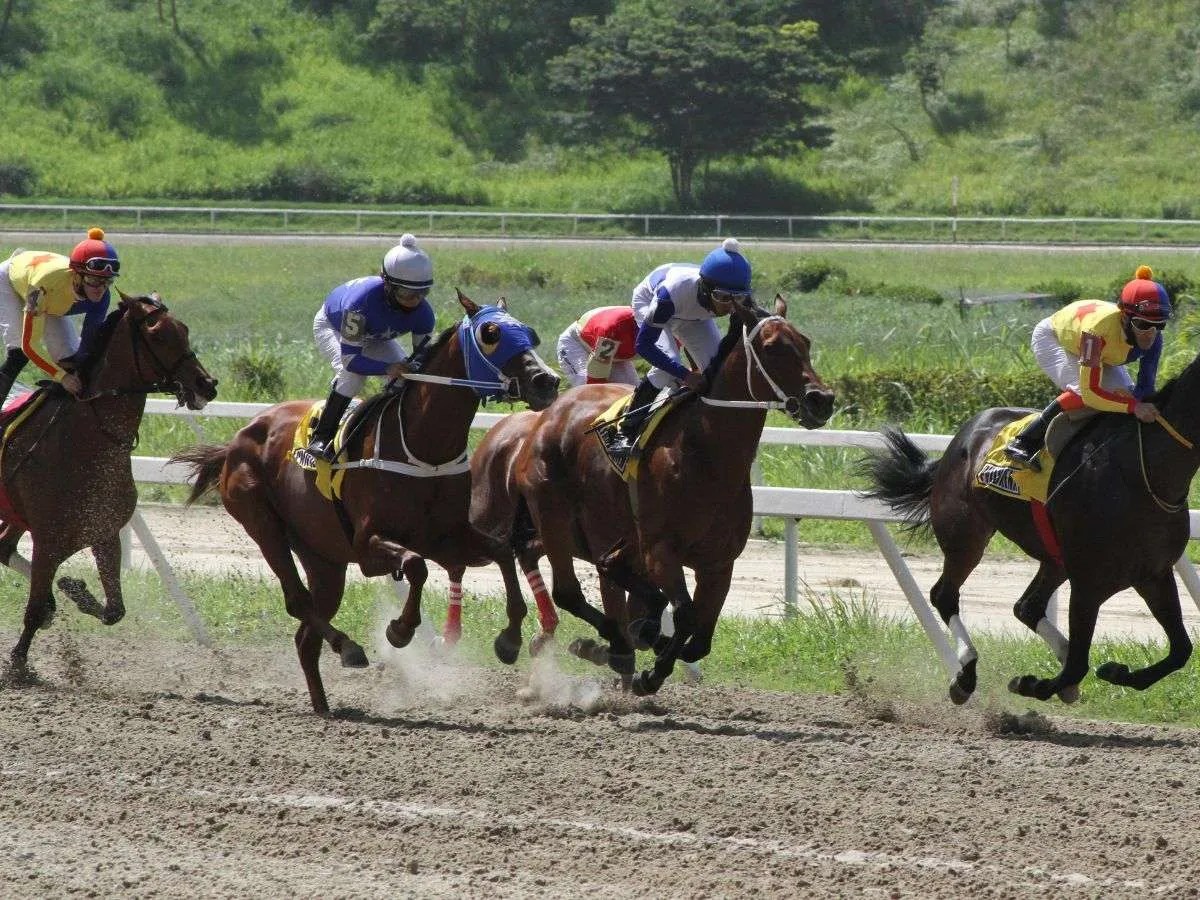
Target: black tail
<point>206,462</point>
<point>902,477</point>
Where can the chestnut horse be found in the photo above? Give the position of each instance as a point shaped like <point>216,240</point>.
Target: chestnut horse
<point>391,515</point>
<point>1118,510</point>
<point>66,470</point>
<point>691,504</point>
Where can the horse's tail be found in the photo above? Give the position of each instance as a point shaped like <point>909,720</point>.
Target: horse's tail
<point>206,462</point>
<point>901,476</point>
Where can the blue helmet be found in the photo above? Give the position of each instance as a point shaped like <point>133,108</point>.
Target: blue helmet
<point>726,268</point>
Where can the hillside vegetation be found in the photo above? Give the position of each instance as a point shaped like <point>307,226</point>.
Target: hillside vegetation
<point>1034,106</point>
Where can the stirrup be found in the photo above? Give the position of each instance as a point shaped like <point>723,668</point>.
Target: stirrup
<point>322,449</point>
<point>1018,452</point>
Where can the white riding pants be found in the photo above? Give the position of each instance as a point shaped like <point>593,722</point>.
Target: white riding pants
<point>329,342</point>
<point>573,356</point>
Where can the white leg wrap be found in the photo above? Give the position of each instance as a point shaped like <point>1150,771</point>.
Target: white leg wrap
<point>966,650</point>
<point>1049,633</point>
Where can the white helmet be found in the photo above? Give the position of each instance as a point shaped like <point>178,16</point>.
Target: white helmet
<point>408,266</point>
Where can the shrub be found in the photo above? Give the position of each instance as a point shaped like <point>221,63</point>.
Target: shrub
<point>258,371</point>
<point>1060,291</point>
<point>810,274</point>
<point>17,178</point>
<point>938,395</point>
<point>910,293</point>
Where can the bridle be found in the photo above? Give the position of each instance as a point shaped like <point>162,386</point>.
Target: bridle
<point>166,381</point>
<point>791,404</point>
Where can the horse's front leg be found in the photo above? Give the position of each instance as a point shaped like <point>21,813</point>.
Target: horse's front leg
<point>475,545</point>
<point>1162,597</point>
<point>107,554</point>
<point>1085,606</point>
<point>662,564</point>
<point>403,563</point>
<point>1030,609</point>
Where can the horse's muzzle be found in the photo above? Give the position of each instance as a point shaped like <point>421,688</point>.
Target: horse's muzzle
<point>814,410</point>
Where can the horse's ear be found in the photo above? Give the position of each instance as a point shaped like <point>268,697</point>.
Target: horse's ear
<point>468,304</point>
<point>780,306</point>
<point>502,304</point>
<point>747,313</point>
<point>124,296</point>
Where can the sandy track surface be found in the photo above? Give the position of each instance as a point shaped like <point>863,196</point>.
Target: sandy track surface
<point>159,769</point>
<point>207,539</point>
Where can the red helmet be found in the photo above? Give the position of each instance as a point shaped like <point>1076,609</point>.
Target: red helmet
<point>1144,298</point>
<point>95,256</point>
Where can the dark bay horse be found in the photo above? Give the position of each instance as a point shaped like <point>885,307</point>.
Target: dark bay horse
<point>390,520</point>
<point>690,506</point>
<point>1118,508</point>
<point>66,470</point>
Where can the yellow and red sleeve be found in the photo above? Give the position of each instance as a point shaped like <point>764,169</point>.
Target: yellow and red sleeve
<point>1091,374</point>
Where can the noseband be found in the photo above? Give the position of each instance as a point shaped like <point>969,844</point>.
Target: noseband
<point>789,403</point>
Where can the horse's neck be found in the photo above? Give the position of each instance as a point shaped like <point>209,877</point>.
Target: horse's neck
<point>121,399</point>
<point>437,418</point>
<point>731,435</point>
<point>1172,465</point>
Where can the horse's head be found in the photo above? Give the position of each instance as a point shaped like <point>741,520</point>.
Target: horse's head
<point>499,348</point>
<point>778,364</point>
<point>157,356</point>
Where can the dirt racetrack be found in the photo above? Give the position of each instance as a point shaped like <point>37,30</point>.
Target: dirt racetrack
<point>166,770</point>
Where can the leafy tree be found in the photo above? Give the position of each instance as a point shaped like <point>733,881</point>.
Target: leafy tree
<point>489,55</point>
<point>695,80</point>
<point>21,37</point>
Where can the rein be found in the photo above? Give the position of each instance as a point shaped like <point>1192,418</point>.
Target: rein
<point>785,402</point>
<point>1162,504</point>
<point>167,384</point>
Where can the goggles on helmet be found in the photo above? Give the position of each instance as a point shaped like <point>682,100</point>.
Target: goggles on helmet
<point>102,265</point>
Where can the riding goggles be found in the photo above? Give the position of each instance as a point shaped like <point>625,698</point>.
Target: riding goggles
<point>96,280</point>
<point>102,265</point>
<point>724,296</point>
<point>1146,324</point>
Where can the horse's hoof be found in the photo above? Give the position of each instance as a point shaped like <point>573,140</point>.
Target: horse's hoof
<point>959,696</point>
<point>506,649</point>
<point>540,641</point>
<point>692,673</point>
<point>1069,694</point>
<point>589,651</point>
<point>643,684</point>
<point>621,663</point>
<point>399,635</point>
<point>643,633</point>
<point>1114,673</point>
<point>449,638</point>
<point>1022,684</point>
<point>112,615</point>
<point>353,656</point>
<point>963,685</point>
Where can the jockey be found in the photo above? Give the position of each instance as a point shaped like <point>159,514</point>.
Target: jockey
<point>1084,348</point>
<point>38,290</point>
<point>678,303</point>
<point>356,327</point>
<point>599,348</point>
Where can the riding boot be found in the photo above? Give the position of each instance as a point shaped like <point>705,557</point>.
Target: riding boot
<point>14,362</point>
<point>321,444</point>
<point>1024,448</point>
<point>638,409</point>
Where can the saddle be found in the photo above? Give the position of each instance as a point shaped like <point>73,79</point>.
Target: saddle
<point>329,480</point>
<point>624,456</point>
<point>999,473</point>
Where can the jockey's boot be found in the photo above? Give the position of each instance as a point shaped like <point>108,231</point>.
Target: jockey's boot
<point>638,411</point>
<point>1024,448</point>
<point>14,362</point>
<point>321,444</point>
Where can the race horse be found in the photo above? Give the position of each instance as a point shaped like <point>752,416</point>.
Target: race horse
<point>66,471</point>
<point>551,489</point>
<point>411,504</point>
<point>1118,518</point>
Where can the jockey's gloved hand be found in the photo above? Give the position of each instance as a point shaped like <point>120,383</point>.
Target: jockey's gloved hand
<point>696,381</point>
<point>398,369</point>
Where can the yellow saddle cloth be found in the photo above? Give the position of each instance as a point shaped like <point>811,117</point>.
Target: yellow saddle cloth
<point>625,461</point>
<point>1000,474</point>
<point>329,479</point>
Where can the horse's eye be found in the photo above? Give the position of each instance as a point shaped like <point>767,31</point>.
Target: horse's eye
<point>488,336</point>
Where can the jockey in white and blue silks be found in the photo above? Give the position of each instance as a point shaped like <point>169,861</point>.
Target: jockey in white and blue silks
<point>357,326</point>
<point>677,304</point>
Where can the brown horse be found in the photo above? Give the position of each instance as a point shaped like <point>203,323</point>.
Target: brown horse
<point>690,506</point>
<point>391,515</point>
<point>66,470</point>
<point>1118,510</point>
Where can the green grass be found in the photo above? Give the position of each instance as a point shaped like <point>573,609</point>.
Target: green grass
<point>844,645</point>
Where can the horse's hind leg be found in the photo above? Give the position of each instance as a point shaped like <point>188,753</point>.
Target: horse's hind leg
<point>326,585</point>
<point>1162,597</point>
<point>959,562</point>
<point>547,616</point>
<point>39,609</point>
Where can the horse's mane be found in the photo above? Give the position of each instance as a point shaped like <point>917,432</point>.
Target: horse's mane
<point>732,337</point>
<point>426,353</point>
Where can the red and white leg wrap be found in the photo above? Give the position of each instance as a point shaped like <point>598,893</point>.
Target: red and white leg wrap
<point>453,629</point>
<point>546,612</point>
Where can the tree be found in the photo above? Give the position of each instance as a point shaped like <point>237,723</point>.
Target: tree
<point>697,81</point>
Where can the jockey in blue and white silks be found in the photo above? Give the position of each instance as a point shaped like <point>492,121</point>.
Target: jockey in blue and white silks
<point>357,326</point>
<point>677,305</point>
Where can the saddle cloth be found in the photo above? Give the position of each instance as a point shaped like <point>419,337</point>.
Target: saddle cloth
<point>624,458</point>
<point>15,412</point>
<point>1000,474</point>
<point>329,480</point>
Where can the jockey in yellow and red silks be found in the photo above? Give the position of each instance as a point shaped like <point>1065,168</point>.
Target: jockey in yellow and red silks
<point>38,291</point>
<point>1084,348</point>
